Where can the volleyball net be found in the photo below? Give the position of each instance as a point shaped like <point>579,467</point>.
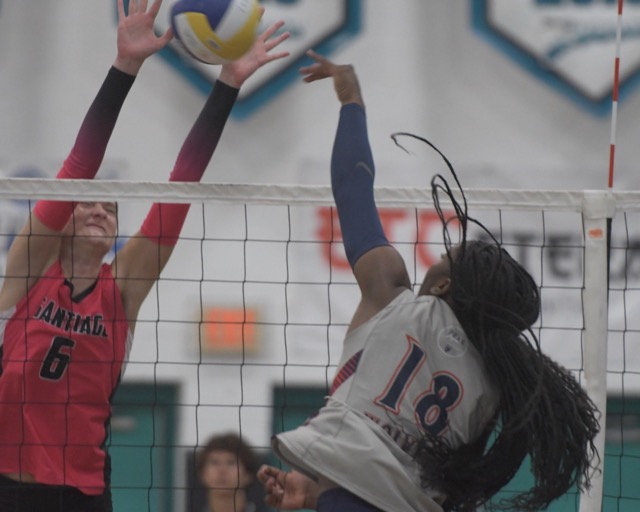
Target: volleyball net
<point>251,311</point>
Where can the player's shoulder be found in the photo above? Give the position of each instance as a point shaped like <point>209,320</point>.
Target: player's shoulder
<point>409,303</point>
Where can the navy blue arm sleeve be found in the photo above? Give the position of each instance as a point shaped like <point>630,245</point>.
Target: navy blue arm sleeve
<point>352,177</point>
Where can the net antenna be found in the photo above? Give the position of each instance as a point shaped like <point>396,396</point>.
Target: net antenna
<point>614,119</point>
<point>596,349</point>
<point>616,87</point>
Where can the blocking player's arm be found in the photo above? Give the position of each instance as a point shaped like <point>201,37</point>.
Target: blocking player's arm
<point>378,267</point>
<point>140,262</point>
<point>38,243</point>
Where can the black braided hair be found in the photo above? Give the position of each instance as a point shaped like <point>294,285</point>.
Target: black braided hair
<point>543,411</point>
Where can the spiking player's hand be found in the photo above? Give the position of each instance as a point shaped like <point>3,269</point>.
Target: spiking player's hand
<point>344,76</point>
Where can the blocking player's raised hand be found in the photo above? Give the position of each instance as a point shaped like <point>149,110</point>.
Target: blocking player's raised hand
<point>262,52</point>
<point>137,39</point>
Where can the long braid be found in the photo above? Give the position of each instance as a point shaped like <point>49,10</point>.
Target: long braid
<point>543,411</point>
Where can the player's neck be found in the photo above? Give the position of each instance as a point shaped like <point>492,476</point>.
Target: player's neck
<point>81,272</point>
<point>81,260</point>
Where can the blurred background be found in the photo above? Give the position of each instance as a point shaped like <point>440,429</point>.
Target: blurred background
<point>517,93</point>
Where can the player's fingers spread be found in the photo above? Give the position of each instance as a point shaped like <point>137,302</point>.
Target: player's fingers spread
<point>323,66</point>
<point>304,70</point>
<point>155,7</point>
<point>320,74</point>
<point>314,77</point>
<point>319,58</point>
<point>271,29</point>
<point>143,6</point>
<point>121,9</point>
<point>281,37</point>
<point>275,56</point>
<point>167,36</point>
<point>133,7</point>
<point>272,43</point>
<point>314,69</point>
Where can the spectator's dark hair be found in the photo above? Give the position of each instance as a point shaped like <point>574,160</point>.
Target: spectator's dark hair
<point>232,443</point>
<point>543,411</point>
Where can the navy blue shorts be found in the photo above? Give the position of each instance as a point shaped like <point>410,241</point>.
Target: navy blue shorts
<point>23,497</point>
<point>341,500</point>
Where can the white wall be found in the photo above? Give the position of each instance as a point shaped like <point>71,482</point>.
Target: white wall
<point>421,66</point>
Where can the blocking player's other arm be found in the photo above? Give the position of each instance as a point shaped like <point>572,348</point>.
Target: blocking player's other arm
<point>140,262</point>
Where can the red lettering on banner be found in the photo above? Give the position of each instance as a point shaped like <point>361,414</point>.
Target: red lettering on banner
<point>392,220</point>
<point>329,233</point>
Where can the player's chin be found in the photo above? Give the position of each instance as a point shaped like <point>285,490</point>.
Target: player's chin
<point>105,242</point>
<point>96,233</point>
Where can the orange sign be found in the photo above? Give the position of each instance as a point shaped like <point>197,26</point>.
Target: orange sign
<point>230,330</point>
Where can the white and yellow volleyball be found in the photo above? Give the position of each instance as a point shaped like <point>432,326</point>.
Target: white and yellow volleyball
<point>216,31</point>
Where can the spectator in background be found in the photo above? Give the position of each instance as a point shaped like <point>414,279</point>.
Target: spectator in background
<point>226,467</point>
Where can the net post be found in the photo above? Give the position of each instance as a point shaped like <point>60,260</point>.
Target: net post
<point>598,206</point>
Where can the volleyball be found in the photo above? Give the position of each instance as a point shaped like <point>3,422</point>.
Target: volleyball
<point>215,31</point>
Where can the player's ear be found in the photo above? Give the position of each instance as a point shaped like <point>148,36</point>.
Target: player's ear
<point>441,287</point>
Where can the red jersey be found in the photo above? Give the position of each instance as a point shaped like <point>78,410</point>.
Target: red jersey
<point>62,360</point>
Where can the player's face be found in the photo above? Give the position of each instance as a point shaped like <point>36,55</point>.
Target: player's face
<point>438,277</point>
<point>223,472</point>
<point>94,221</point>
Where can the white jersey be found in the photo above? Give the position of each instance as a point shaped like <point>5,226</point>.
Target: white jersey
<point>408,370</point>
